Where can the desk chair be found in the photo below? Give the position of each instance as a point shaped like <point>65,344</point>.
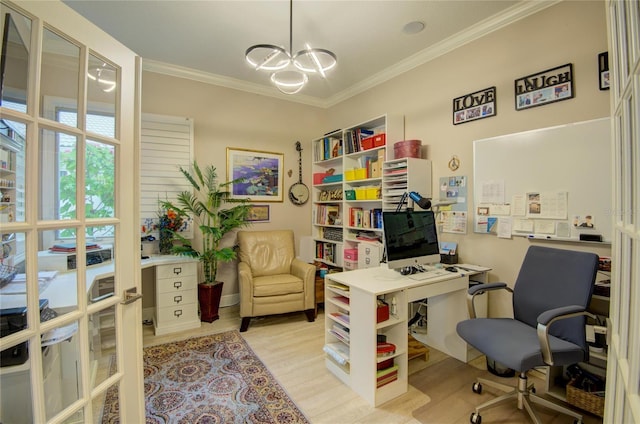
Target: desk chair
<point>550,298</point>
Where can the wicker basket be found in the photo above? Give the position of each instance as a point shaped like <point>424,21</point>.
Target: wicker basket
<point>585,400</point>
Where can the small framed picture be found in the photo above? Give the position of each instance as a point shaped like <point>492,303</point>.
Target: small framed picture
<point>550,86</point>
<point>603,70</point>
<point>259,213</point>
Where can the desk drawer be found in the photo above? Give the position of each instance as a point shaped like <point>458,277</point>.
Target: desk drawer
<point>431,289</point>
<point>175,315</point>
<point>176,284</point>
<point>180,270</point>
<point>177,298</point>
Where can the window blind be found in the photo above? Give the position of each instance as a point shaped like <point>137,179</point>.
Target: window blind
<point>166,145</point>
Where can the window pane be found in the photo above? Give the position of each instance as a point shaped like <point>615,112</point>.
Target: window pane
<point>16,403</point>
<point>99,180</point>
<point>60,74</point>
<point>102,344</point>
<point>15,60</point>
<point>58,161</point>
<point>102,92</point>
<point>13,286</point>
<point>63,372</point>
<point>12,171</point>
<point>58,258</point>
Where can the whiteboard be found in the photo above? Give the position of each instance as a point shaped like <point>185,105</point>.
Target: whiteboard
<point>574,159</point>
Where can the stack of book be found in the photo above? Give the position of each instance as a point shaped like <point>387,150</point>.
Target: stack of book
<point>71,247</point>
<point>386,376</point>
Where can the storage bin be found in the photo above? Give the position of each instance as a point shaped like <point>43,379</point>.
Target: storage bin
<point>361,173</point>
<point>350,264</point>
<point>350,174</point>
<point>382,313</point>
<point>318,177</point>
<point>367,143</point>
<point>351,254</point>
<point>350,194</point>
<point>336,178</point>
<point>361,193</point>
<point>379,140</point>
<point>372,193</point>
<point>585,400</point>
<point>407,149</point>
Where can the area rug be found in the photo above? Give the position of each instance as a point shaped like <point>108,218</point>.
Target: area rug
<point>211,379</point>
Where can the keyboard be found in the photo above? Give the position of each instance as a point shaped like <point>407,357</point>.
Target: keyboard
<point>428,275</point>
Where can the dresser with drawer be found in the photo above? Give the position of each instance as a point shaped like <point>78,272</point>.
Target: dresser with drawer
<point>176,297</point>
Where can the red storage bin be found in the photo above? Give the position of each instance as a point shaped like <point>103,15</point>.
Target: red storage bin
<point>367,143</point>
<point>382,314</point>
<point>379,140</point>
<point>351,254</point>
<point>318,177</point>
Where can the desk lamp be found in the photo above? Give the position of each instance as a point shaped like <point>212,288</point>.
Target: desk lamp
<point>423,202</point>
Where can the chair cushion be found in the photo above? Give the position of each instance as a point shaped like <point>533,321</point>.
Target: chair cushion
<point>276,285</point>
<point>515,344</point>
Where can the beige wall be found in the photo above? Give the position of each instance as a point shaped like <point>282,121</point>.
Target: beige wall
<point>229,118</point>
<point>570,32</point>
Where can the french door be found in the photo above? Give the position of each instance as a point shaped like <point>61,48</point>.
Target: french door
<point>71,337</point>
<point>622,403</point>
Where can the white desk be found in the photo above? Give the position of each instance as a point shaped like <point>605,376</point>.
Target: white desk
<point>62,291</point>
<point>447,306</point>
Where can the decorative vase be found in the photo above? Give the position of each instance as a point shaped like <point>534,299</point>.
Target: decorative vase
<point>209,296</point>
<point>166,241</point>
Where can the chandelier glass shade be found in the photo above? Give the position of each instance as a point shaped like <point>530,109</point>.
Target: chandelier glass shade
<point>289,72</point>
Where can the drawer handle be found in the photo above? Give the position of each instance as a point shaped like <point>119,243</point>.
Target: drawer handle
<point>177,284</point>
<point>177,299</point>
<point>177,270</point>
<point>177,312</point>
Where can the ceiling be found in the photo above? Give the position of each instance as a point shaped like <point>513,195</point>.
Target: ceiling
<point>206,40</point>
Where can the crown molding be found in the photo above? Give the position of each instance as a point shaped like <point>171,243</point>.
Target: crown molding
<point>479,30</point>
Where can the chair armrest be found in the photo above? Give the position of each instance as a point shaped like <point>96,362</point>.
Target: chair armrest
<point>245,282</point>
<point>303,269</point>
<point>479,289</point>
<point>547,318</point>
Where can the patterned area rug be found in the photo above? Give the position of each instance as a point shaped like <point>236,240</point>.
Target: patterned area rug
<point>210,379</point>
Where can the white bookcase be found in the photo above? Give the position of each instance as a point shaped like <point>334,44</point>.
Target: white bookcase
<point>347,206</point>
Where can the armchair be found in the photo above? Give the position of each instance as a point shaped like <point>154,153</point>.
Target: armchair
<point>272,281</point>
<point>550,298</point>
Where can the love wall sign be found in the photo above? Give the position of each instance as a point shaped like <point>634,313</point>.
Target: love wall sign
<point>474,106</point>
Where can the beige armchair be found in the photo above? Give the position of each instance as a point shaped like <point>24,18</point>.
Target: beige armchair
<point>272,281</point>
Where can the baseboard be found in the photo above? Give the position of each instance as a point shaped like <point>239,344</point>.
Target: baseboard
<point>230,300</point>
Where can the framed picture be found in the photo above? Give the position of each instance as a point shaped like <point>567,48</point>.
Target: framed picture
<point>473,106</point>
<point>603,70</point>
<point>261,172</point>
<point>259,213</point>
<point>550,86</point>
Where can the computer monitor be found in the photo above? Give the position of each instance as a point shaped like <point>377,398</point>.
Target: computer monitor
<point>410,238</point>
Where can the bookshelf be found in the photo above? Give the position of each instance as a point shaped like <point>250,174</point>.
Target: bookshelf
<point>404,175</point>
<point>352,326</point>
<point>347,189</point>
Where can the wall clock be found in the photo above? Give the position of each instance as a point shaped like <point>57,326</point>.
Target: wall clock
<point>299,193</point>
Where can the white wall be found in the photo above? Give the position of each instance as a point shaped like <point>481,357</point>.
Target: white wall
<point>570,32</point>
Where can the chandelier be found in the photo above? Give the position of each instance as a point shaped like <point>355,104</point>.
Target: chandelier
<point>289,72</point>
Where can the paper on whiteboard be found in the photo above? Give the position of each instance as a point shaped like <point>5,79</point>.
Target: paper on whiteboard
<point>518,205</point>
<point>522,226</point>
<point>492,192</point>
<point>504,227</point>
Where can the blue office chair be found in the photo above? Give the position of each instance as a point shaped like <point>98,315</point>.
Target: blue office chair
<point>550,298</point>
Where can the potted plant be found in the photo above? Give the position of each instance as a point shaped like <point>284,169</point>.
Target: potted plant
<point>205,205</point>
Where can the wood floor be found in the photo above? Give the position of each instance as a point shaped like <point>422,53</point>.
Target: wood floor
<point>291,348</point>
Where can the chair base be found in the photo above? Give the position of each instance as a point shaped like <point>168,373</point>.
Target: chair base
<point>524,394</point>
<point>244,325</point>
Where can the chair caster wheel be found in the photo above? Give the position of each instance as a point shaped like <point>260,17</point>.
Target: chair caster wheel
<point>477,388</point>
<point>475,418</point>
